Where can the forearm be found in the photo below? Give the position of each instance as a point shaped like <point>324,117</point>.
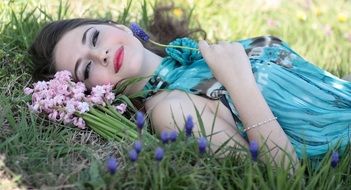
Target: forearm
<point>252,109</point>
<point>231,66</point>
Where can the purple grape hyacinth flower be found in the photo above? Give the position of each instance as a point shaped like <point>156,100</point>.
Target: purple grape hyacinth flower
<point>139,32</point>
<point>173,136</point>
<point>254,148</point>
<point>189,125</point>
<point>334,159</point>
<point>138,146</point>
<point>140,120</point>
<point>142,35</point>
<point>202,143</point>
<point>133,155</point>
<point>159,153</point>
<point>164,137</point>
<point>112,165</point>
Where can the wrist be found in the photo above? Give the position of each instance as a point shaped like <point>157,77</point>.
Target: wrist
<point>241,84</point>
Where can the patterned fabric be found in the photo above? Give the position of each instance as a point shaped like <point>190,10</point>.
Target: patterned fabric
<point>313,106</point>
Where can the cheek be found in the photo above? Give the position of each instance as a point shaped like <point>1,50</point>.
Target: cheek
<point>134,64</point>
<point>101,78</point>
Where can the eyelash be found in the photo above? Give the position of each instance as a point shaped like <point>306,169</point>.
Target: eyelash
<point>87,70</point>
<point>88,66</point>
<point>95,37</point>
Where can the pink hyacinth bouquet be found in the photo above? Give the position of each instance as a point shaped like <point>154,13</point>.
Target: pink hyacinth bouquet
<point>63,100</point>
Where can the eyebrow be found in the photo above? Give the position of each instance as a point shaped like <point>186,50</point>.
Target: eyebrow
<point>85,35</point>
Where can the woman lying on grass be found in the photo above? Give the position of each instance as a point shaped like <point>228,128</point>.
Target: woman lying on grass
<point>258,88</point>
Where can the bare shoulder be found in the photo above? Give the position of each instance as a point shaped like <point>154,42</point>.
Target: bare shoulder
<point>181,103</point>
<point>177,97</point>
<point>168,111</point>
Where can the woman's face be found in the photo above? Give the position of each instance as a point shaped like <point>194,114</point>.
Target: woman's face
<point>99,54</point>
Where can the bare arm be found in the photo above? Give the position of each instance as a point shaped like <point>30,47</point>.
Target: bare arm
<point>170,112</point>
<point>254,109</point>
<point>233,70</point>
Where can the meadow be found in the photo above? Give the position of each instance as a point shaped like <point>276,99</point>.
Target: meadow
<point>39,154</point>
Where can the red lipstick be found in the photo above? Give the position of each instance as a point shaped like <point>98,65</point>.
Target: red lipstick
<point>118,59</point>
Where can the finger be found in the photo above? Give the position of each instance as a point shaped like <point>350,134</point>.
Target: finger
<point>204,47</point>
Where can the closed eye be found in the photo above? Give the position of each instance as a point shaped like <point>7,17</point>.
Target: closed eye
<point>95,37</point>
<point>87,70</point>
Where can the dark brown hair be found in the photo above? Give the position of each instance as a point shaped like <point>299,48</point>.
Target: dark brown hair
<point>163,28</point>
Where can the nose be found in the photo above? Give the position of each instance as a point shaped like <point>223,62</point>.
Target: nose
<point>101,56</point>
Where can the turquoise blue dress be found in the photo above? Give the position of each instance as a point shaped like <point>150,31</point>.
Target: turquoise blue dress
<point>313,106</point>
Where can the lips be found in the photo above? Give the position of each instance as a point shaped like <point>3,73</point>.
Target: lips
<point>118,60</point>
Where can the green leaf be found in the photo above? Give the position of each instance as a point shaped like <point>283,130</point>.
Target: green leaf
<point>123,17</point>
<point>199,119</point>
<point>96,181</point>
<point>127,101</point>
<point>10,118</point>
<point>120,88</point>
<point>144,13</point>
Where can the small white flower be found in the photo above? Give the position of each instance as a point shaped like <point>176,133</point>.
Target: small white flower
<point>121,108</point>
<point>40,85</point>
<point>28,91</point>
<point>83,107</point>
<point>98,91</point>
<point>70,108</point>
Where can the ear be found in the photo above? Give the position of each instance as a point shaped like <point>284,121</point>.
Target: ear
<point>124,28</point>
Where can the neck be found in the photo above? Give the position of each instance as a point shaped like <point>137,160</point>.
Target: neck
<point>152,61</point>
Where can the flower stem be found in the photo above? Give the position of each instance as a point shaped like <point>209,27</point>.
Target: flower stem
<point>97,128</point>
<point>113,112</point>
<point>173,46</point>
<point>111,125</point>
<point>118,115</point>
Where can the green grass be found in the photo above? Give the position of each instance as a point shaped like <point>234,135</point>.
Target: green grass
<point>40,154</point>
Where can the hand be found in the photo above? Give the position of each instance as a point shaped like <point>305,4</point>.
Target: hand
<point>228,62</point>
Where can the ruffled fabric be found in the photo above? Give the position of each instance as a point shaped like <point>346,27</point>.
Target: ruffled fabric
<point>181,55</point>
<point>313,106</point>
<point>181,69</point>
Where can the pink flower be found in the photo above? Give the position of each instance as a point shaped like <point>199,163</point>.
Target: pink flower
<point>28,91</point>
<point>98,91</point>
<point>96,100</point>
<point>67,118</point>
<point>63,89</point>
<point>70,109</point>
<point>79,88</point>
<point>62,99</point>
<point>35,107</point>
<point>121,108</point>
<point>40,85</point>
<point>109,97</point>
<point>107,87</point>
<point>78,96</point>
<point>79,122</point>
<point>63,75</point>
<point>47,104</point>
<point>53,116</point>
<point>58,100</point>
<point>83,107</point>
